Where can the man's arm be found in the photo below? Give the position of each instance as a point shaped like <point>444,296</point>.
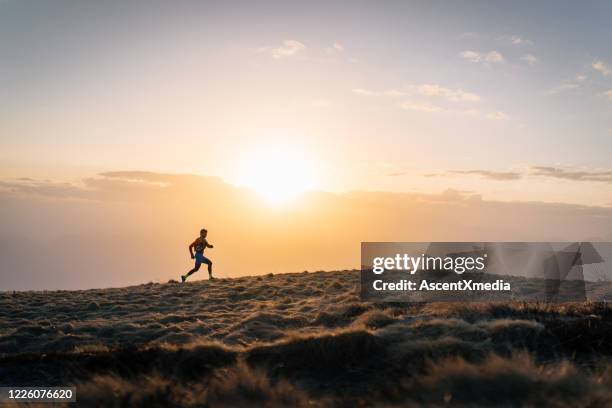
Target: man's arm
<point>208,245</point>
<point>191,249</point>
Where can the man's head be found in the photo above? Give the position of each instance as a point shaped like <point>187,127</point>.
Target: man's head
<point>203,233</point>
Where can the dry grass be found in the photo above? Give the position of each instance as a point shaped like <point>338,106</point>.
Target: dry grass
<point>301,340</point>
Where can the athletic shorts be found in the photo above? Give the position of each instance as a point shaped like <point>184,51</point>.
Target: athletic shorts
<point>200,259</point>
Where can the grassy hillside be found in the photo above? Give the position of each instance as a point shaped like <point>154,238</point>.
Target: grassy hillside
<point>301,339</point>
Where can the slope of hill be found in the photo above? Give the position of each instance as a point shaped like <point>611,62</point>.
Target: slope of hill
<point>302,339</point>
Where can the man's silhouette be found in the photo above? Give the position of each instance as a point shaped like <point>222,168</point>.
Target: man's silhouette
<point>200,244</point>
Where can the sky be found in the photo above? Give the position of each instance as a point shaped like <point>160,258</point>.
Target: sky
<point>512,100</point>
<point>503,103</point>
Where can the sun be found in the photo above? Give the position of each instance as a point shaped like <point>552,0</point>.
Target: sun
<point>277,175</point>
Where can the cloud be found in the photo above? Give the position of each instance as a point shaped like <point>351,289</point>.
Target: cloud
<point>139,176</point>
<point>451,194</point>
<point>335,48</point>
<point>393,92</point>
<point>471,56</point>
<point>492,175</point>
<point>486,58</point>
<point>453,95</point>
<point>601,67</point>
<point>608,94</point>
<point>389,92</point>
<point>566,86</point>
<point>431,108</point>
<point>362,91</point>
<point>432,90</point>
<point>497,116</point>
<point>435,91</point>
<point>530,59</point>
<point>421,107</point>
<point>516,40</point>
<point>494,57</point>
<point>604,176</point>
<point>288,48</point>
<point>574,175</point>
<point>109,186</point>
<point>46,188</point>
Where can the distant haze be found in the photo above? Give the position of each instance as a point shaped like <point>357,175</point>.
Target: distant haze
<point>125,228</point>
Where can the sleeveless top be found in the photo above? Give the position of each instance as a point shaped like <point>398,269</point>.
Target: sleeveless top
<point>199,244</point>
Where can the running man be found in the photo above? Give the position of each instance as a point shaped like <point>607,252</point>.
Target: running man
<point>200,244</point>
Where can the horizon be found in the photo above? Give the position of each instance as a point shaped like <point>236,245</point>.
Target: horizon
<point>125,228</point>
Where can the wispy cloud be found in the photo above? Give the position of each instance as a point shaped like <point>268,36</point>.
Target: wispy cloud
<point>431,108</point>
<point>46,188</point>
<point>515,39</point>
<point>601,67</point>
<point>471,56</point>
<point>497,116</point>
<point>335,48</point>
<point>488,174</point>
<point>435,98</point>
<point>563,87</point>
<point>431,90</point>
<point>388,92</point>
<point>421,107</point>
<point>604,176</point>
<point>288,48</point>
<point>575,175</point>
<point>530,59</point>
<point>486,58</point>
<point>367,92</point>
<point>453,95</point>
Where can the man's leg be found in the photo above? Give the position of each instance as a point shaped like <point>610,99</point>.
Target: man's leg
<point>209,263</point>
<point>195,269</point>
